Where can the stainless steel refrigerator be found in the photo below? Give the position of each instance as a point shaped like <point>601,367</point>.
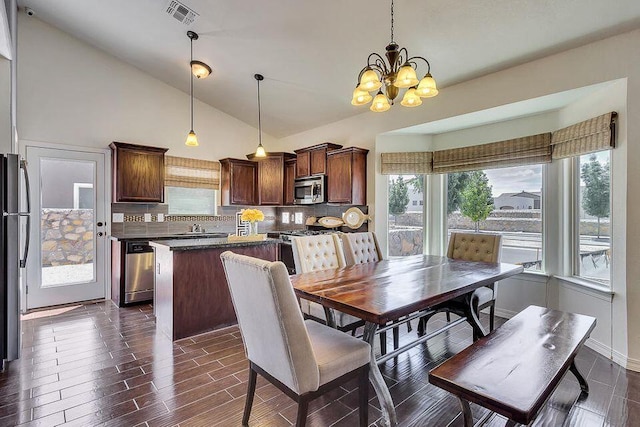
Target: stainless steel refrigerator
<point>13,253</point>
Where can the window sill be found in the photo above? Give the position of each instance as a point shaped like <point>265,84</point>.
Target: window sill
<point>587,285</point>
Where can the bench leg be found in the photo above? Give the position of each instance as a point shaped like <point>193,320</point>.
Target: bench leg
<point>467,417</point>
<point>583,383</point>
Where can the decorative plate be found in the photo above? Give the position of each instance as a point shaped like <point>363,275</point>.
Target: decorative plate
<point>354,218</point>
<point>330,222</point>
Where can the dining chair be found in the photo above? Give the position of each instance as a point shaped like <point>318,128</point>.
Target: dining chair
<point>479,247</point>
<point>321,252</point>
<point>304,359</point>
<point>360,248</point>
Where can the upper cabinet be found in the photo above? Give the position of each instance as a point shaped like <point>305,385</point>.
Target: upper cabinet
<point>238,180</point>
<point>313,160</point>
<point>347,176</point>
<point>138,173</point>
<point>272,178</point>
<point>289,181</point>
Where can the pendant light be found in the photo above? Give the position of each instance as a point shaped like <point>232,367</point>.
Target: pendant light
<point>200,70</point>
<point>260,150</point>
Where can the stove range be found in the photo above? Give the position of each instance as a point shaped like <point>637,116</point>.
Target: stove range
<point>285,236</point>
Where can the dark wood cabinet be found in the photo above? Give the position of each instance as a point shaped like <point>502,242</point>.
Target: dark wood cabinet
<point>238,179</point>
<point>289,181</point>
<point>313,160</point>
<point>271,178</point>
<point>138,173</point>
<point>347,176</point>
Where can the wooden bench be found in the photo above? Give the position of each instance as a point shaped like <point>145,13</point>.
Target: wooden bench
<point>514,370</point>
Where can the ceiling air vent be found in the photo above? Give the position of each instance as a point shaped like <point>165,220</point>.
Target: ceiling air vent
<point>181,12</point>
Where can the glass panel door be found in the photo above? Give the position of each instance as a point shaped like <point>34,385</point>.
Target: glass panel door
<point>69,245</point>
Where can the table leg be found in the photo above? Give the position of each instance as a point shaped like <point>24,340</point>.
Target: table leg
<point>467,417</point>
<point>583,383</point>
<point>386,403</point>
<point>330,317</point>
<point>472,318</point>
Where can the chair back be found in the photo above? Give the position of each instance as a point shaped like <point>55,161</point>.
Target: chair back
<point>319,252</point>
<point>360,248</point>
<point>269,318</point>
<point>484,247</point>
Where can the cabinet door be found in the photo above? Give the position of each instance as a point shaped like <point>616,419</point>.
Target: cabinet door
<point>318,161</point>
<point>289,180</point>
<point>139,176</point>
<point>271,181</point>
<point>303,165</point>
<point>243,183</point>
<point>339,176</point>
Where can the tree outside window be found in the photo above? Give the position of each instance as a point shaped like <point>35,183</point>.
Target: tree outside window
<point>476,202</point>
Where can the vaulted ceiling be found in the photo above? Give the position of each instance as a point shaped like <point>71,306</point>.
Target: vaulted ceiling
<point>310,52</point>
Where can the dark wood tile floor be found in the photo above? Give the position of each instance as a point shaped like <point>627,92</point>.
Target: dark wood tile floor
<point>96,364</point>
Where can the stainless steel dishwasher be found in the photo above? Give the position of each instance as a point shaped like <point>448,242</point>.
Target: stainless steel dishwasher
<point>139,272</point>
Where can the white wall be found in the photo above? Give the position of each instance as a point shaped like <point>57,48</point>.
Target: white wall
<point>71,93</point>
<point>602,61</point>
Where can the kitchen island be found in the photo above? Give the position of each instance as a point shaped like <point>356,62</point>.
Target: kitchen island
<point>191,292</point>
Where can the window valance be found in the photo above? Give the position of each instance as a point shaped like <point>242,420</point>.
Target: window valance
<point>411,163</point>
<point>191,173</point>
<point>591,135</point>
<point>528,150</point>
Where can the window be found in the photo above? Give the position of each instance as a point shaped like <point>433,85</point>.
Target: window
<point>507,201</point>
<point>406,215</point>
<point>190,201</point>
<point>592,217</point>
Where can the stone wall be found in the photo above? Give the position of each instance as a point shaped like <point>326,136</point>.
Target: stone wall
<point>405,242</point>
<point>67,236</point>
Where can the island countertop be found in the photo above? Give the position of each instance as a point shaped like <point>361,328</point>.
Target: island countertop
<point>207,243</point>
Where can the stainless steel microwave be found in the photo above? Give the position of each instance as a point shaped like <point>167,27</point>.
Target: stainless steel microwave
<point>308,191</point>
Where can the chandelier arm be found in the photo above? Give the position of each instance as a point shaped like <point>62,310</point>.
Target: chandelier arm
<point>411,60</point>
<point>379,64</point>
<point>402,59</point>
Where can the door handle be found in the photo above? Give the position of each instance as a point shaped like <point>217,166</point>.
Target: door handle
<point>23,261</point>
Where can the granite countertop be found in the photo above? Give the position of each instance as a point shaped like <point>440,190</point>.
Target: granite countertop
<point>159,236</point>
<point>206,243</point>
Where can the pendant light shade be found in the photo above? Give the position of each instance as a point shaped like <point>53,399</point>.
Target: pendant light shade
<point>200,70</point>
<point>360,97</point>
<point>411,99</point>
<point>406,77</point>
<point>369,81</point>
<point>380,103</point>
<point>427,87</point>
<point>260,150</point>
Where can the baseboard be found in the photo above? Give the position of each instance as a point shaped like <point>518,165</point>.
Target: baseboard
<point>505,314</point>
<point>598,347</point>
<point>626,362</point>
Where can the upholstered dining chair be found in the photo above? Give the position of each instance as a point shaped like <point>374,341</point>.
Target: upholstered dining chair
<point>360,248</point>
<point>480,247</point>
<point>304,359</point>
<point>321,252</point>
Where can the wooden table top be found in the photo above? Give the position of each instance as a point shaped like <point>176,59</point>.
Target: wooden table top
<point>513,370</point>
<point>390,289</point>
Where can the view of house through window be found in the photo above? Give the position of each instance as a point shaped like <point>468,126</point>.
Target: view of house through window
<point>406,215</point>
<point>593,213</point>
<point>506,201</point>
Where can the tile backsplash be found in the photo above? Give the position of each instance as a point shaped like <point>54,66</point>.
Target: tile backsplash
<point>134,218</point>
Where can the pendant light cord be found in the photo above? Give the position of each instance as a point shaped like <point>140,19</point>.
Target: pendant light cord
<point>259,117</point>
<point>191,73</point>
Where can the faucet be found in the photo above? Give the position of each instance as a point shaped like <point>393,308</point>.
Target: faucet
<point>196,228</point>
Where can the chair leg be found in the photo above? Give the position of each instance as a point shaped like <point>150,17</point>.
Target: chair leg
<point>303,407</point>
<point>422,324</point>
<point>251,389</point>
<point>383,343</point>
<point>448,317</point>
<point>396,338</point>
<point>363,392</point>
<point>492,313</point>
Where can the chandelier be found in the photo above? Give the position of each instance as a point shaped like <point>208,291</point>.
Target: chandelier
<point>398,72</point>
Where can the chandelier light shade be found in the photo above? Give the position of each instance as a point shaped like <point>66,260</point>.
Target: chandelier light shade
<point>260,150</point>
<point>200,70</point>
<point>388,76</point>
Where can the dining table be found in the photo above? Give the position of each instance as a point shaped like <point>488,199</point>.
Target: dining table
<point>395,290</point>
